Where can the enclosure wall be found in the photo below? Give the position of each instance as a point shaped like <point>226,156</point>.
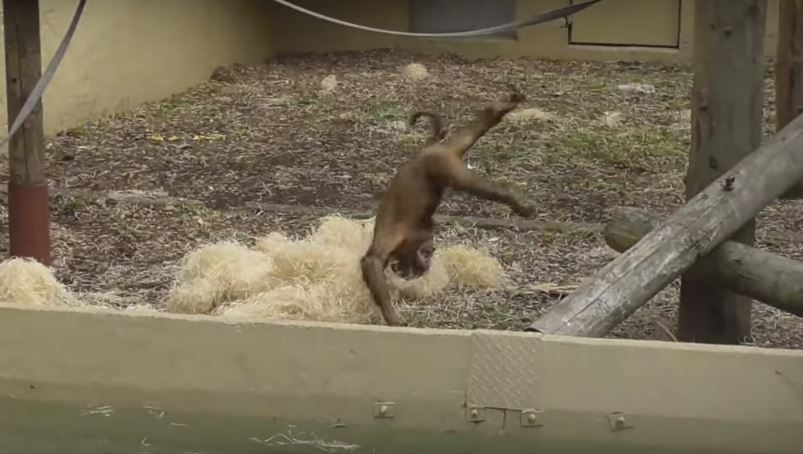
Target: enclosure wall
<point>657,30</point>
<point>127,52</point>
<point>98,382</point>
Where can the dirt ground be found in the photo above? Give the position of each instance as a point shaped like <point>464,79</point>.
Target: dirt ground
<point>268,134</point>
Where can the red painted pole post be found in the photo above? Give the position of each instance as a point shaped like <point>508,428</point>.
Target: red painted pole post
<point>28,208</point>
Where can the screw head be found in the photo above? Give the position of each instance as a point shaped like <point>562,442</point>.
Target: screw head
<point>474,413</point>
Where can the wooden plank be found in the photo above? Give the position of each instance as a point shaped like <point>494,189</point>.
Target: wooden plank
<point>29,217</point>
<point>767,277</point>
<point>703,223</point>
<point>726,127</point>
<point>789,71</point>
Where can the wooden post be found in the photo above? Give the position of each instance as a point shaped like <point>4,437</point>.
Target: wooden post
<point>767,277</point>
<point>29,217</point>
<point>726,127</point>
<point>789,71</point>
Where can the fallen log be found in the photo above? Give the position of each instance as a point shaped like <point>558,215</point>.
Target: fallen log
<point>694,230</point>
<point>764,276</point>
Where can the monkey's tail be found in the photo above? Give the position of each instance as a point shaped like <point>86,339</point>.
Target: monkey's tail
<point>435,122</point>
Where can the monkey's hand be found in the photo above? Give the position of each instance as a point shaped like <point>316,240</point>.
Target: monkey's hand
<point>508,103</point>
<point>515,98</point>
<point>393,319</point>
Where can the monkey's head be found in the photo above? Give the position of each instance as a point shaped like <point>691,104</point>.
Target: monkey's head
<point>412,264</point>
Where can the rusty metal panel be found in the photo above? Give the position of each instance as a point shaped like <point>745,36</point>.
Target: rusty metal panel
<point>503,371</point>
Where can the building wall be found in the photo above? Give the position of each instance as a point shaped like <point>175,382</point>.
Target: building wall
<point>296,32</point>
<point>631,21</point>
<point>127,52</point>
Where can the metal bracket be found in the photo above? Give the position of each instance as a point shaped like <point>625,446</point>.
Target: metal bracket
<point>531,418</point>
<point>384,410</point>
<point>618,421</point>
<point>475,414</point>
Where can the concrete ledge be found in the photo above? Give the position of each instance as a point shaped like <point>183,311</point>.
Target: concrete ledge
<point>95,381</point>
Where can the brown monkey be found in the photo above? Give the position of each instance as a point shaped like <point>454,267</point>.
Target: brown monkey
<point>404,227</point>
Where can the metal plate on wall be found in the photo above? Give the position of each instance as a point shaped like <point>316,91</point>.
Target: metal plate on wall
<point>503,371</point>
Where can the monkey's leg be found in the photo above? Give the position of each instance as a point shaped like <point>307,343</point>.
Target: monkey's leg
<point>466,181</point>
<point>373,265</point>
<point>464,138</point>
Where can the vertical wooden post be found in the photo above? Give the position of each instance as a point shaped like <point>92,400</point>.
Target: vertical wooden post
<point>29,217</point>
<point>726,126</point>
<point>789,71</point>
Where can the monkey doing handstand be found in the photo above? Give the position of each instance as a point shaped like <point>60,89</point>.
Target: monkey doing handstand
<point>404,228</point>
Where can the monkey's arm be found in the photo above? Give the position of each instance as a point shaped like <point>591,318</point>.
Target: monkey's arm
<point>387,237</point>
<point>374,278</point>
<point>462,179</point>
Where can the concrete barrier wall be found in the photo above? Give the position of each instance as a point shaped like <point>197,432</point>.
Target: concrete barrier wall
<point>86,381</point>
<point>127,52</point>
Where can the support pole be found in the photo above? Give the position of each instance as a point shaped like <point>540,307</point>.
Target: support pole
<point>28,211</point>
<point>789,71</point>
<point>726,127</point>
<point>767,277</point>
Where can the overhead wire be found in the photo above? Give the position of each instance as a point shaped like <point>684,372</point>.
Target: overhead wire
<point>547,16</point>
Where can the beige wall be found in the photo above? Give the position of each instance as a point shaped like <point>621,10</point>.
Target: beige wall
<point>127,52</point>
<point>296,32</point>
<point>93,381</point>
<point>547,40</point>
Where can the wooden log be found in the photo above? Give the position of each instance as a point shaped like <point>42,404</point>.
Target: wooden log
<point>767,277</point>
<point>28,211</point>
<point>703,223</point>
<point>727,116</point>
<point>789,71</point>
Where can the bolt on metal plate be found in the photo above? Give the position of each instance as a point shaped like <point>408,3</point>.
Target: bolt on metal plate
<point>384,410</point>
<point>618,421</point>
<point>475,414</point>
<point>531,418</point>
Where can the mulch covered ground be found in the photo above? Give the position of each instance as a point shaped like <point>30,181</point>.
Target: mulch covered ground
<point>267,134</point>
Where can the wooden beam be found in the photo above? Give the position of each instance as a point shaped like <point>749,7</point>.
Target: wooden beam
<point>726,126</point>
<point>703,223</point>
<point>767,277</point>
<point>789,71</point>
<point>29,217</point>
